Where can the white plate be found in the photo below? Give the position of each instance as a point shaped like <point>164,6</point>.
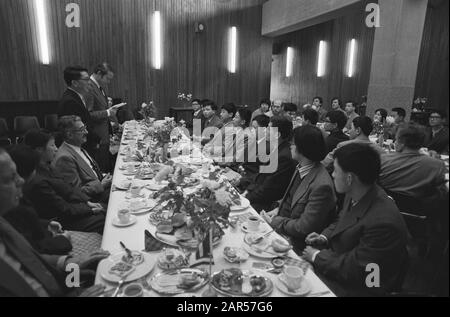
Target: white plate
<point>143,207</point>
<point>128,173</point>
<point>117,223</point>
<point>140,270</point>
<point>304,289</point>
<point>167,283</point>
<point>245,203</point>
<point>155,187</point>
<point>125,185</point>
<point>241,256</point>
<point>266,250</point>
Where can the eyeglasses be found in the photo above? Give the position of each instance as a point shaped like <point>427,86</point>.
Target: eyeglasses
<point>435,117</point>
<point>80,130</point>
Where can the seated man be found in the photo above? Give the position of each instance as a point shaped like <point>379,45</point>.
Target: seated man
<point>309,204</point>
<point>212,121</point>
<point>250,168</point>
<point>217,145</point>
<point>359,132</point>
<point>350,112</point>
<point>370,231</point>
<point>23,271</point>
<point>290,111</point>
<point>52,197</point>
<point>407,171</point>
<point>75,165</point>
<point>270,187</point>
<point>438,136</point>
<point>398,115</point>
<point>334,123</point>
<point>264,107</point>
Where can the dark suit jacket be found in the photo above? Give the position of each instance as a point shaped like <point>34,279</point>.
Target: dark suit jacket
<point>26,221</point>
<point>270,187</point>
<point>55,198</point>
<point>71,104</point>
<point>313,207</point>
<point>439,142</point>
<point>76,171</point>
<point>334,139</point>
<point>41,267</point>
<point>208,125</point>
<point>97,105</point>
<point>373,231</point>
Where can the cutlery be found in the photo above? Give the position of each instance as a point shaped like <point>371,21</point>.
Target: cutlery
<point>259,239</point>
<point>121,282</point>
<point>128,251</point>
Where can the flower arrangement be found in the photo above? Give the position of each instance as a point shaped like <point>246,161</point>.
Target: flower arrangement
<point>162,132</point>
<point>419,104</point>
<point>184,97</point>
<point>205,209</point>
<point>148,110</point>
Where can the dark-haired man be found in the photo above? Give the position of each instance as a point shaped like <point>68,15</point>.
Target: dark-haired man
<point>97,103</point>
<point>334,124</point>
<point>212,121</point>
<point>264,107</point>
<point>74,101</point>
<point>407,171</point>
<point>350,111</point>
<point>318,106</point>
<point>399,115</point>
<point>438,135</point>
<point>270,187</point>
<point>359,133</point>
<point>370,234</point>
<point>309,203</point>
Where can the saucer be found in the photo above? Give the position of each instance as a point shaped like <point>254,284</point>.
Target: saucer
<point>304,289</point>
<point>119,224</point>
<point>261,228</point>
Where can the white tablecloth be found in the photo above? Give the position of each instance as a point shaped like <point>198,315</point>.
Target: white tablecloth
<point>134,238</point>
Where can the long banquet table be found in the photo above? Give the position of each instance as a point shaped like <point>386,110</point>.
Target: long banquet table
<point>133,238</point>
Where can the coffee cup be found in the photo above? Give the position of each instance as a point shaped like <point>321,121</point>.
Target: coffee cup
<point>253,223</point>
<point>293,277</point>
<point>124,216</point>
<point>133,290</point>
<point>135,190</point>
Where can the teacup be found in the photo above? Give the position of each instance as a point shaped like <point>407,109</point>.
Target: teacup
<point>253,223</point>
<point>293,277</point>
<point>133,290</point>
<point>135,190</point>
<point>124,216</point>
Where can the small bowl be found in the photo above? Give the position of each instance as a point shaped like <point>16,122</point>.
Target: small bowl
<point>133,290</point>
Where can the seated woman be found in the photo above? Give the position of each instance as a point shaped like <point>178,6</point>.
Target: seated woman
<point>46,236</point>
<point>52,197</point>
<point>309,203</point>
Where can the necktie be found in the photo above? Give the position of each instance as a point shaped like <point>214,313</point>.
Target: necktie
<point>19,248</point>
<point>94,165</point>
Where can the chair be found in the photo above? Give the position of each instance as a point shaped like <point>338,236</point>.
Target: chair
<point>5,140</point>
<point>51,122</point>
<point>24,124</point>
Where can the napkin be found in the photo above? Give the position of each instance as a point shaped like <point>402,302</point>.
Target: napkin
<point>152,244</point>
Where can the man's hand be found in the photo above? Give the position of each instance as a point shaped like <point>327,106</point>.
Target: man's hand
<point>308,254</point>
<point>268,216</point>
<point>107,181</point>
<point>112,112</point>
<point>96,207</point>
<point>85,260</point>
<point>94,291</point>
<point>55,228</point>
<point>316,240</point>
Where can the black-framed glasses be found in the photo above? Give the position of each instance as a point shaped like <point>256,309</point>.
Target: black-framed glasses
<point>80,130</point>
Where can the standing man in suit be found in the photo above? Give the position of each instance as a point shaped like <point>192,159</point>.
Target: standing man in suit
<point>370,232</point>
<point>74,103</point>
<point>23,271</point>
<point>309,203</point>
<point>97,104</point>
<point>270,187</point>
<point>75,165</point>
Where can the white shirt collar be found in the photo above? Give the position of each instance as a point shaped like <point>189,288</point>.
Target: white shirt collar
<point>95,82</point>
<point>304,170</point>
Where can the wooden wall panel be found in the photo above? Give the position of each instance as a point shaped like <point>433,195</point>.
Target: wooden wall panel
<point>304,84</point>
<point>119,31</point>
<point>432,73</point>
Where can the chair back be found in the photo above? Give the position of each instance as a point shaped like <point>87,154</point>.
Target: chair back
<point>51,122</point>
